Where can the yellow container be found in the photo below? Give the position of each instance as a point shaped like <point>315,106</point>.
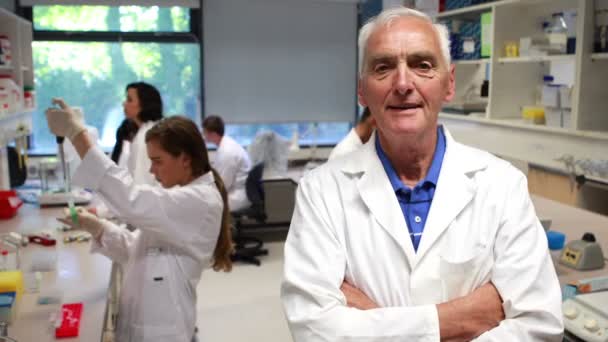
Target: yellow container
<point>534,115</point>
<point>12,281</point>
<point>11,284</point>
<point>511,49</point>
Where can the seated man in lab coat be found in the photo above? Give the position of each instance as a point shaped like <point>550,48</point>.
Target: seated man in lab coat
<point>414,236</point>
<point>357,136</point>
<point>231,162</point>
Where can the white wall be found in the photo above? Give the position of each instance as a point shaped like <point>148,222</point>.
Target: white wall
<point>8,4</point>
<point>280,60</point>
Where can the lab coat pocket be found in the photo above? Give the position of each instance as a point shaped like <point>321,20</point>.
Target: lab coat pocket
<point>463,272</point>
<point>158,303</point>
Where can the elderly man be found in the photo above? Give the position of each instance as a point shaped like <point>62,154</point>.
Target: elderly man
<point>416,237</point>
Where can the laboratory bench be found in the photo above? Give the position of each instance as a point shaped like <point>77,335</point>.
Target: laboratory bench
<point>87,278</point>
<point>574,222</point>
<point>81,277</point>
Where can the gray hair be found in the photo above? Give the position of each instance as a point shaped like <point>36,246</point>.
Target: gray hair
<point>387,16</point>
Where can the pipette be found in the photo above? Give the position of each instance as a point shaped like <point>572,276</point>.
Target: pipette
<point>66,176</point>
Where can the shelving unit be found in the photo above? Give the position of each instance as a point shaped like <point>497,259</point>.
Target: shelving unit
<point>473,11</point>
<point>471,61</point>
<point>537,59</point>
<point>514,83</point>
<point>14,125</point>
<point>599,56</point>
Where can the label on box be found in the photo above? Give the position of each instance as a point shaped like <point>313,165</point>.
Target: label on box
<point>468,46</point>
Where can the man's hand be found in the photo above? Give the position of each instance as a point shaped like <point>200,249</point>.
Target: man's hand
<point>470,316</point>
<point>355,298</point>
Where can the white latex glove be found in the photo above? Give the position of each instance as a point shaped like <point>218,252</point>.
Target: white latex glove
<point>64,121</point>
<point>86,221</point>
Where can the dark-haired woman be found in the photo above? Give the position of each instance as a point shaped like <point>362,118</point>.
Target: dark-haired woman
<point>143,106</point>
<point>183,226</point>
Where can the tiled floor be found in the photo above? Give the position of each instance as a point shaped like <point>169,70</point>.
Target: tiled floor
<point>244,305</point>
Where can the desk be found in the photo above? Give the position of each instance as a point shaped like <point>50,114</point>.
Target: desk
<point>82,276</point>
<point>574,222</point>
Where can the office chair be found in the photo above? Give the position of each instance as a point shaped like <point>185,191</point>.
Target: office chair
<point>248,249</point>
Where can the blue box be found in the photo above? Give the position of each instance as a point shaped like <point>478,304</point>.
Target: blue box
<point>455,4</point>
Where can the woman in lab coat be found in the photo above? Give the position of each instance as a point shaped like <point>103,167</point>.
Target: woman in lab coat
<point>124,135</point>
<point>144,107</point>
<point>183,227</point>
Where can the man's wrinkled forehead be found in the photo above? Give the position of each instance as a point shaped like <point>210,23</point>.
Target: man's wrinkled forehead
<point>420,38</point>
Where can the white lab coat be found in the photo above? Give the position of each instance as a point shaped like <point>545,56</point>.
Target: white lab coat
<point>350,143</point>
<point>163,259</point>
<point>232,163</point>
<point>481,227</point>
<point>134,156</point>
<point>138,162</point>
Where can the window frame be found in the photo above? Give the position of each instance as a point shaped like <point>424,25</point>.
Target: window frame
<point>193,36</point>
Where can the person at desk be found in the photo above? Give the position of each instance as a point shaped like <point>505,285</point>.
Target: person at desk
<point>231,162</point>
<point>357,136</point>
<point>182,227</point>
<point>416,237</point>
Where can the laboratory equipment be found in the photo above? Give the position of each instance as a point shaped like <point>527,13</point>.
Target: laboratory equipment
<point>53,190</point>
<point>557,33</point>
<point>43,240</point>
<point>584,254</point>
<point>9,204</point>
<point>11,290</point>
<point>4,333</point>
<point>586,316</point>
<point>591,284</point>
<point>64,194</point>
<point>66,172</point>
<point>556,244</point>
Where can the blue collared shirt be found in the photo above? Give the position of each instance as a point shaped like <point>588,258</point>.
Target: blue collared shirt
<point>415,203</point>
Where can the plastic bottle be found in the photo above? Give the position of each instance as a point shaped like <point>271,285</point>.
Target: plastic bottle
<point>29,97</point>
<point>557,33</point>
<point>547,80</point>
<point>14,93</point>
<point>556,244</point>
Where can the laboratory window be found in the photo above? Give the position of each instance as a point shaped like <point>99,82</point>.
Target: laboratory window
<point>308,133</point>
<point>88,54</point>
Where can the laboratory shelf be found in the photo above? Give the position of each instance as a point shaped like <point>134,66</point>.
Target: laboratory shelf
<point>537,59</point>
<point>515,122</point>
<point>15,116</point>
<point>472,11</point>
<point>471,61</point>
<point>599,56</point>
<point>5,68</point>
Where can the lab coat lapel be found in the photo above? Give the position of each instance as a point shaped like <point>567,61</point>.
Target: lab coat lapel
<point>378,195</point>
<point>454,191</point>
